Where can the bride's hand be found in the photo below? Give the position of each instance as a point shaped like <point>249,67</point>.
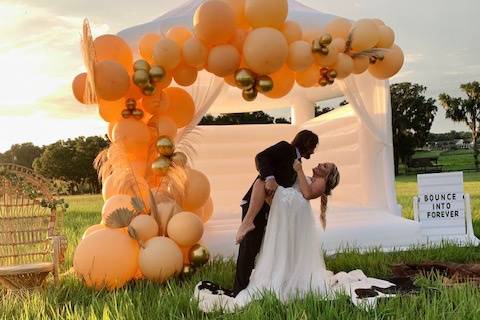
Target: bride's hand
<point>297,166</point>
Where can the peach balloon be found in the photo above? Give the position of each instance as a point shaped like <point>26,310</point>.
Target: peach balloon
<point>328,59</point>
<point>197,190</point>
<point>292,31</point>
<point>78,87</point>
<point>300,56</point>
<point>339,28</point>
<point>111,80</point>
<point>378,22</point>
<point>195,53</point>
<point>185,228</point>
<point>156,103</point>
<point>135,186</point>
<point>139,168</point>
<point>214,22</point>
<point>283,82</point>
<point>181,108</point>
<point>116,202</point>
<point>266,13</point>
<point>223,60</point>
<point>391,64</point>
<point>110,130</point>
<point>166,127</point>
<point>238,7</point>
<point>309,77</point>
<point>179,34</point>
<point>160,259</point>
<point>343,66</point>
<point>314,33</point>
<point>360,64</point>
<point>387,37</point>
<point>185,252</point>
<point>145,227</point>
<point>167,54</point>
<point>111,47</point>
<point>133,135</point>
<point>134,92</point>
<point>111,111</point>
<point>230,79</point>
<point>265,50</point>
<point>107,258</point>
<point>206,211</point>
<point>238,39</point>
<point>146,45</point>
<point>166,208</point>
<point>339,43</point>
<point>365,35</point>
<point>93,229</point>
<point>109,187</point>
<point>185,75</point>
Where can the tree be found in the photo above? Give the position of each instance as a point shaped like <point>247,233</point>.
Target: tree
<point>282,120</point>
<point>412,117</point>
<point>465,110</point>
<point>22,154</point>
<point>257,117</point>
<point>319,110</point>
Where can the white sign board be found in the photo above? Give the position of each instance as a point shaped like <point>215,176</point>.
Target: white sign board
<point>441,206</point>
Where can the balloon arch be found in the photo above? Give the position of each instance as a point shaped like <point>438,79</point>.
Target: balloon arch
<point>156,203</point>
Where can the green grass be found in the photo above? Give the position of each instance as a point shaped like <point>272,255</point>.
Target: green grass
<point>145,300</point>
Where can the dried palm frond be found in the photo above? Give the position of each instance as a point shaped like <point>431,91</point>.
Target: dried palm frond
<point>119,218</point>
<point>88,51</point>
<point>102,166</point>
<point>187,142</point>
<point>175,181</point>
<point>138,205</point>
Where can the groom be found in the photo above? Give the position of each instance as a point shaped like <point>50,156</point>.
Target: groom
<point>275,167</point>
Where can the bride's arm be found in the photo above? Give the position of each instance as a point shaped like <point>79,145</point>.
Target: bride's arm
<point>305,187</point>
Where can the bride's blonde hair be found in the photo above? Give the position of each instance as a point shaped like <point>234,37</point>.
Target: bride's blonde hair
<point>331,181</point>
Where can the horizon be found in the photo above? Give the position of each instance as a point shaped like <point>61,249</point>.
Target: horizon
<point>41,55</point>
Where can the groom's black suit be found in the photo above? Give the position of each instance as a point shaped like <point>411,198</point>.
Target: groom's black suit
<point>276,161</point>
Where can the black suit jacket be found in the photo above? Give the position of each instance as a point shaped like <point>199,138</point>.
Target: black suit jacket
<point>276,161</point>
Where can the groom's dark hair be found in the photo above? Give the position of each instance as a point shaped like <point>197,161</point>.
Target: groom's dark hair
<point>305,140</point>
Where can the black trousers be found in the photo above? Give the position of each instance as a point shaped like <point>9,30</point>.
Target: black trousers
<point>249,248</point>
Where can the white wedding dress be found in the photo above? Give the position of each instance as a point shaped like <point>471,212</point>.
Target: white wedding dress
<point>290,263</point>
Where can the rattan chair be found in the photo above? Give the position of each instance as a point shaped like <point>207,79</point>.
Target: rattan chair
<point>31,245</point>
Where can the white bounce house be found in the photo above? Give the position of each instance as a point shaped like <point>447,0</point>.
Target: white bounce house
<point>363,212</point>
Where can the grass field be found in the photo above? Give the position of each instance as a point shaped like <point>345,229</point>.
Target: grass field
<point>144,300</point>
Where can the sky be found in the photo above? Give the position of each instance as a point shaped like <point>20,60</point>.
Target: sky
<point>40,55</point>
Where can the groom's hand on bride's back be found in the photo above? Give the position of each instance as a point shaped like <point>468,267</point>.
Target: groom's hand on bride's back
<point>270,186</point>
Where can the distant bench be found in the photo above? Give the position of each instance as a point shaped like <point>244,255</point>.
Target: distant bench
<point>424,165</point>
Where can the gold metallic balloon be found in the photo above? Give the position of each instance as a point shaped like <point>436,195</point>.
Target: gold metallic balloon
<point>324,72</point>
<point>380,56</point>
<point>188,270</point>
<point>179,159</point>
<point>149,90</point>
<point>332,74</point>
<point>250,94</point>
<point>131,104</point>
<point>137,114</point>
<point>157,74</point>
<point>373,60</point>
<point>317,46</point>
<point>330,81</point>
<point>165,146</point>
<point>326,39</point>
<point>126,113</point>
<point>198,255</point>
<point>141,78</point>
<point>323,82</point>
<point>244,78</point>
<point>264,84</point>
<point>324,50</point>
<point>141,65</point>
<point>161,165</point>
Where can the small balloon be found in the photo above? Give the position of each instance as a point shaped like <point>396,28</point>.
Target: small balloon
<point>244,78</point>
<point>179,159</point>
<point>264,84</point>
<point>198,255</point>
<point>165,146</point>
<point>157,74</point>
<point>141,78</point>
<point>141,65</point>
<point>249,94</point>
<point>161,166</point>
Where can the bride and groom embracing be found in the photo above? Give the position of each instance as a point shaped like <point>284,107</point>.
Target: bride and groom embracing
<point>278,236</point>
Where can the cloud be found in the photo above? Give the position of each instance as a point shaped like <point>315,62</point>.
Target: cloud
<point>414,57</point>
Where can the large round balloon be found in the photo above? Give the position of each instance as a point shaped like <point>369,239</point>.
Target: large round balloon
<point>265,50</point>
<point>166,127</point>
<point>185,75</point>
<point>93,229</point>
<point>132,134</point>
<point>157,103</point>
<point>111,111</point>
<point>205,212</point>
<point>197,190</point>
<point>185,228</point>
<point>238,39</point>
<point>144,227</point>
<point>292,31</point>
<point>391,64</point>
<point>328,59</point>
<point>339,28</point>
<point>181,108</point>
<point>309,77</point>
<point>78,87</point>
<point>107,258</point>
<point>109,187</point>
<point>111,80</point>
<point>179,34</point>
<point>194,53</point>
<point>343,66</point>
<point>116,202</point>
<point>387,37</point>
<point>167,54</point>
<point>283,82</point>
<point>238,7</point>
<point>214,22</point>
<point>160,259</point>
<point>146,45</point>
<point>111,47</point>
<point>223,60</point>
<point>266,13</point>
<point>300,56</point>
<point>360,64</point>
<point>365,35</point>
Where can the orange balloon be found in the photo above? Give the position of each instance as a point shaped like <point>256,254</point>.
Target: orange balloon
<point>146,45</point>
<point>181,108</point>
<point>205,212</point>
<point>223,60</point>
<point>111,47</point>
<point>131,134</point>
<point>387,37</point>
<point>185,228</point>
<point>197,190</point>
<point>265,50</point>
<point>110,130</point>
<point>328,59</point>
<point>194,53</point>
<point>238,39</point>
<point>111,80</point>
<point>238,7</point>
<point>139,168</point>
<point>160,259</point>
<point>343,66</point>
<point>167,54</point>
<point>309,77</point>
<point>283,82</point>
<point>292,31</point>
<point>134,92</point>
<point>116,202</point>
<point>111,111</point>
<point>365,35</point>
<point>156,103</point>
<point>185,75</point>
<point>145,227</point>
<point>300,56</point>
<point>340,44</point>
<point>92,229</point>
<point>185,252</point>
<point>391,64</point>
<point>230,79</point>
<point>266,13</point>
<point>107,258</point>
<point>313,33</point>
<point>165,82</point>
<point>109,187</point>
<point>166,127</point>
<point>78,87</point>
<point>339,28</point>
<point>179,34</point>
<point>360,64</point>
<point>214,22</point>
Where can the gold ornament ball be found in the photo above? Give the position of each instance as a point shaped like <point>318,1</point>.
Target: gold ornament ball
<point>373,60</point>
<point>131,104</point>
<point>380,56</point>
<point>332,74</point>
<point>141,78</point>
<point>264,84</point>
<point>165,146</point>
<point>244,78</point>
<point>323,82</point>
<point>317,46</point>
<point>179,159</point>
<point>126,113</point>
<point>188,270</point>
<point>323,72</point>
<point>141,65</point>
<point>198,255</point>
<point>324,50</point>
<point>250,94</point>
<point>326,39</point>
<point>137,114</point>
<point>149,90</point>
<point>330,81</point>
<point>161,165</point>
<point>157,74</point>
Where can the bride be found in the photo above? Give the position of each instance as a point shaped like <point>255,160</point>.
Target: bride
<point>290,263</point>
